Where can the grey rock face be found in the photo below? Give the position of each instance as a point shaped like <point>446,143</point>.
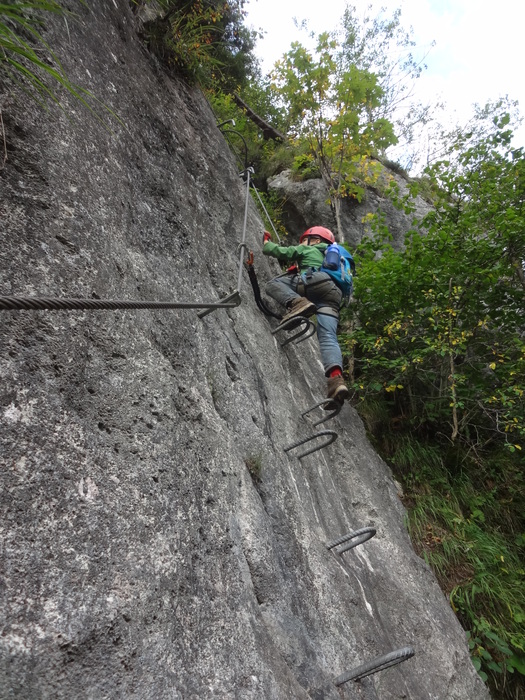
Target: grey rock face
<point>307,204</point>
<point>140,560</point>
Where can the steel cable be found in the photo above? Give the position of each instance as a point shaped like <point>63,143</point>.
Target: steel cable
<point>49,303</point>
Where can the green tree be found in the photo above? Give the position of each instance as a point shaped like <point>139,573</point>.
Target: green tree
<point>382,46</point>
<point>328,112</point>
<point>447,312</point>
<point>246,139</point>
<point>439,342</point>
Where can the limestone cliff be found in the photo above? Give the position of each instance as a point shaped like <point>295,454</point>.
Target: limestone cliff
<point>140,559</point>
<point>308,200</point>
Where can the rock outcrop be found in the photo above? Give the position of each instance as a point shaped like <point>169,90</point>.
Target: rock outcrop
<point>157,542</point>
<point>306,203</point>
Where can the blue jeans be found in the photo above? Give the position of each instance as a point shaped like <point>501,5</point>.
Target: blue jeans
<point>326,296</point>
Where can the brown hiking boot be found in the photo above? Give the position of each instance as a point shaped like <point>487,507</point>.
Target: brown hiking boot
<point>337,392</point>
<point>299,307</point>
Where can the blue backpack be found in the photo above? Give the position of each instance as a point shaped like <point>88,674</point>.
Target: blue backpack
<point>341,270</point>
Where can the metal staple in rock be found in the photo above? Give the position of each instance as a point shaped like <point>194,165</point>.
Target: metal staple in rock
<point>308,329</point>
<point>332,437</point>
<point>375,665</point>
<point>359,536</point>
<point>324,402</point>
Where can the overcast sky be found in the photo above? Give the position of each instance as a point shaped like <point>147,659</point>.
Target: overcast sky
<point>477,56</point>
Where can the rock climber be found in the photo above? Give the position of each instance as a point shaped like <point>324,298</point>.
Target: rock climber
<point>304,290</point>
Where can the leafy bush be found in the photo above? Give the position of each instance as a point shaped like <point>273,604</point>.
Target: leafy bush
<point>205,41</point>
<point>25,58</point>
<point>245,138</point>
<point>28,62</point>
<point>438,343</point>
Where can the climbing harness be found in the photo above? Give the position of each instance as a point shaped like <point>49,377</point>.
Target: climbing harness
<point>375,665</point>
<point>308,327</point>
<point>358,537</point>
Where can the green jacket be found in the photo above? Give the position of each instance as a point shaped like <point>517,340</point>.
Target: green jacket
<point>304,256</point>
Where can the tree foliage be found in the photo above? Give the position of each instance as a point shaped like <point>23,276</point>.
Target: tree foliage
<point>447,312</point>
<point>439,339</point>
<point>381,45</point>
<point>246,139</point>
<point>205,41</point>
<point>328,113</point>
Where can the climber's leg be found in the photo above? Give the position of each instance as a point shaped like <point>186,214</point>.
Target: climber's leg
<point>331,355</point>
<point>284,290</point>
<point>332,358</point>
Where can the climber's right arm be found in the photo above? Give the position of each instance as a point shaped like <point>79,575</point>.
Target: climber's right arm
<point>285,254</point>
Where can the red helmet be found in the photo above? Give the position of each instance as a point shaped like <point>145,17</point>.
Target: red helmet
<point>323,233</point>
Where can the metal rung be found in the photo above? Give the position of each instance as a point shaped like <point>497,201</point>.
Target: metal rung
<point>308,326</point>
<point>375,665</point>
<point>323,403</point>
<point>332,437</point>
<point>360,536</point>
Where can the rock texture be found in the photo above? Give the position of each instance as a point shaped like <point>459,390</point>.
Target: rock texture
<point>140,560</point>
<point>306,204</point>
